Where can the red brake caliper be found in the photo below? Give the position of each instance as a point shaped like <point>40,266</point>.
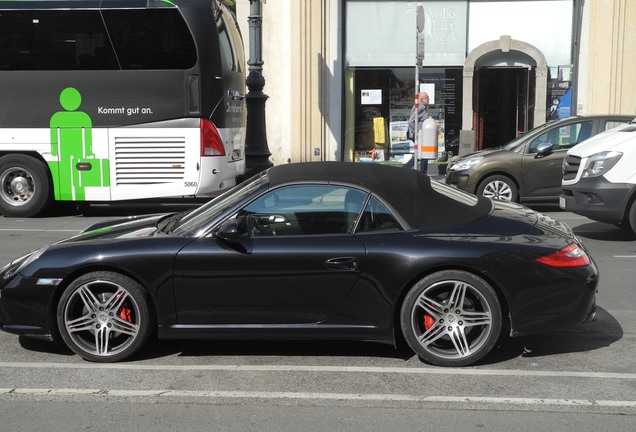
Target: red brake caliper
<point>125,313</point>
<point>429,321</point>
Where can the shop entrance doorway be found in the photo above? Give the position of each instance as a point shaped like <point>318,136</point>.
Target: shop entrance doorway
<point>505,104</point>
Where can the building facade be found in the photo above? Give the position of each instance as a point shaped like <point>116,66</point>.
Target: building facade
<point>341,74</point>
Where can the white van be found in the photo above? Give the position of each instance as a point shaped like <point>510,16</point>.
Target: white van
<point>599,178</point>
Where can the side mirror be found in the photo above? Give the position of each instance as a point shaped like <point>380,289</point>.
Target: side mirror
<point>544,149</point>
<point>228,231</point>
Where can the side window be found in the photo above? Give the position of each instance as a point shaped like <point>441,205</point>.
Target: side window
<point>564,137</point>
<point>611,124</point>
<point>377,217</point>
<point>54,40</point>
<point>230,40</point>
<point>302,210</point>
<point>227,48</point>
<point>151,39</point>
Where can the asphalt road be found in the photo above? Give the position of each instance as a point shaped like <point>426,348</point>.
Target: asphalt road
<point>581,378</point>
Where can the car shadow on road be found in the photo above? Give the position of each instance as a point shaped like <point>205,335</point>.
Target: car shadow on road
<point>586,337</point>
<point>43,346</point>
<point>266,348</point>
<point>601,333</point>
<point>604,232</point>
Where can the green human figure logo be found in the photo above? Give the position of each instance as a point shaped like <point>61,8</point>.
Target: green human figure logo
<point>72,144</point>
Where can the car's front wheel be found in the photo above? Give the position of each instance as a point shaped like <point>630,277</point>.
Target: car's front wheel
<point>499,187</point>
<point>451,318</point>
<point>104,316</point>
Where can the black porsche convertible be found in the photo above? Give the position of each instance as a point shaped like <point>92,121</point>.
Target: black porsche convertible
<point>318,250</point>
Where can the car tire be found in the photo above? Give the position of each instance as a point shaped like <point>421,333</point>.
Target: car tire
<point>631,217</point>
<point>104,316</point>
<point>498,187</point>
<point>25,189</point>
<point>451,318</point>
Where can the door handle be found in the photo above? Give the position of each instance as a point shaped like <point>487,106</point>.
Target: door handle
<point>342,263</point>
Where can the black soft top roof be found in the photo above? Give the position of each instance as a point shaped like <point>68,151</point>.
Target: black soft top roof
<point>408,191</point>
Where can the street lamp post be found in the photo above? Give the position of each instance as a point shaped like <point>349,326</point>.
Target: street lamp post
<point>256,150</point>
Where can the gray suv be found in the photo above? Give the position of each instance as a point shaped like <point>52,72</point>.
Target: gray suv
<point>528,168</point>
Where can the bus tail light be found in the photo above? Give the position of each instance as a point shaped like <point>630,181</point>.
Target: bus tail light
<point>211,142</point>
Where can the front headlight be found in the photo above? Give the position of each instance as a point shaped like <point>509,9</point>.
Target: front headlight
<point>600,163</point>
<point>464,164</point>
<point>18,264</point>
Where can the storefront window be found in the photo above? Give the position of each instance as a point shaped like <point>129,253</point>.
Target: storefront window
<point>379,104</point>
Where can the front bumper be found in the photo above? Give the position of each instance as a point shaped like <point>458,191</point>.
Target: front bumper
<point>460,179</point>
<point>24,308</point>
<point>597,199</point>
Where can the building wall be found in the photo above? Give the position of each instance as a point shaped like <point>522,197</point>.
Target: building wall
<point>302,77</point>
<point>311,80</point>
<point>608,66</point>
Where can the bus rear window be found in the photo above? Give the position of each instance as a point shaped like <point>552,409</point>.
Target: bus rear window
<point>151,39</point>
<point>78,40</point>
<point>54,40</point>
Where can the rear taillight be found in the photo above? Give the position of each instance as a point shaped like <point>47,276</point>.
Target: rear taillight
<point>211,142</point>
<point>569,256</point>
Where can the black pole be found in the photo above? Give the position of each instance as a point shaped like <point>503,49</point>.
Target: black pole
<point>256,150</point>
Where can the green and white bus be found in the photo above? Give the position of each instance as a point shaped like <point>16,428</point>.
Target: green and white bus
<point>110,100</point>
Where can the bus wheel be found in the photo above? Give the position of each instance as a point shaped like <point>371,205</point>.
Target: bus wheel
<point>24,186</point>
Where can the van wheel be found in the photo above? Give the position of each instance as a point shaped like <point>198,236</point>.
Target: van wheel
<point>25,190</point>
<point>632,216</point>
<point>498,187</point>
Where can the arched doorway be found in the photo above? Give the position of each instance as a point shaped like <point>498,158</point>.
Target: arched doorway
<point>505,85</point>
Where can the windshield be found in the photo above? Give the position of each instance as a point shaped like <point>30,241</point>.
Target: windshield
<point>522,139</point>
<point>191,223</point>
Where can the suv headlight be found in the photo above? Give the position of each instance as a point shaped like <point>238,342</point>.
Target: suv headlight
<point>18,264</point>
<point>464,164</point>
<point>600,163</point>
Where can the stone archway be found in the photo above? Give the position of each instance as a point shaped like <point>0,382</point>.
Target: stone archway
<point>502,48</point>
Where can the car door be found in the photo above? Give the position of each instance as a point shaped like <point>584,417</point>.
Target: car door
<point>542,173</point>
<point>294,261</point>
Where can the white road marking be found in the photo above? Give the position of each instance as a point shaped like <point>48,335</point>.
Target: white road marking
<point>214,394</point>
<point>344,369</point>
<point>624,256</point>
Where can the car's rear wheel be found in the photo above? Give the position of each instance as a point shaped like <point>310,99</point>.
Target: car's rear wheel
<point>451,318</point>
<point>104,316</point>
<point>498,187</point>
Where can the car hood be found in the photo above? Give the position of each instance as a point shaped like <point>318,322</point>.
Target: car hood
<point>119,229</point>
<point>483,153</point>
<point>606,141</point>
